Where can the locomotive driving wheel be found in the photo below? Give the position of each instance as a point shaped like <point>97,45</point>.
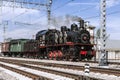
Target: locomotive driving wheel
<point>69,54</point>
<point>66,54</point>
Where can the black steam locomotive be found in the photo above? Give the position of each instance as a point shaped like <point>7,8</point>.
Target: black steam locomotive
<point>68,43</point>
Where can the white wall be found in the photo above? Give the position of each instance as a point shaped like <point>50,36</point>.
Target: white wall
<point>111,54</point>
<point>114,55</point>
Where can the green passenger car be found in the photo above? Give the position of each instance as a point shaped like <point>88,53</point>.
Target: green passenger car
<point>17,45</point>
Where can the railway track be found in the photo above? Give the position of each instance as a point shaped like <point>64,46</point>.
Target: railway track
<point>115,72</point>
<point>24,73</point>
<point>66,74</point>
<point>110,63</point>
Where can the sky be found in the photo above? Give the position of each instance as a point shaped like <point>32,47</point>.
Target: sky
<point>26,22</point>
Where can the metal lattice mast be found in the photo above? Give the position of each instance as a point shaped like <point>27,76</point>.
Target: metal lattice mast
<point>4,32</point>
<point>49,12</point>
<point>103,58</point>
<point>1,12</point>
<point>5,23</point>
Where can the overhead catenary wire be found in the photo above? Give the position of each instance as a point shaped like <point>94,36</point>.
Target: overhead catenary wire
<point>62,5</point>
<point>22,4</point>
<point>14,17</point>
<point>57,8</point>
<point>85,9</point>
<point>53,10</point>
<point>115,12</point>
<point>72,12</point>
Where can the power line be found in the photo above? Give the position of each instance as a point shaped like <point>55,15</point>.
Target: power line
<point>25,2</point>
<point>55,9</point>
<point>39,17</point>
<point>62,5</point>
<point>115,12</point>
<point>18,15</point>
<point>92,17</point>
<point>85,9</point>
<point>22,4</point>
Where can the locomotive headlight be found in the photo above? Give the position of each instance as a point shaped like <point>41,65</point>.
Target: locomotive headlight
<point>82,47</point>
<point>85,38</point>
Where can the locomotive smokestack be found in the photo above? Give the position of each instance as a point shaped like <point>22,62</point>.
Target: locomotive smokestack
<point>82,23</point>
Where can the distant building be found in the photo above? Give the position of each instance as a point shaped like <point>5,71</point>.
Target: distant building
<point>113,48</point>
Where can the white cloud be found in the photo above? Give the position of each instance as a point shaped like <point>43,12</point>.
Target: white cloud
<point>114,36</point>
<point>24,32</point>
<point>111,3</point>
<point>112,26</point>
<point>34,16</point>
<point>22,15</point>
<point>18,33</point>
<point>113,22</point>
<point>18,13</point>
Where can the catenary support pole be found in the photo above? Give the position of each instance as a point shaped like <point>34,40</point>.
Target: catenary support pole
<point>103,55</point>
